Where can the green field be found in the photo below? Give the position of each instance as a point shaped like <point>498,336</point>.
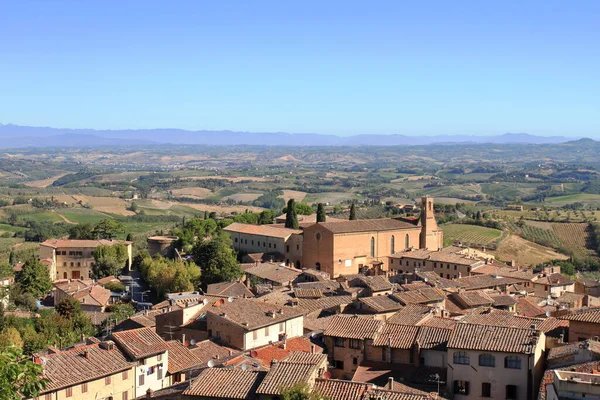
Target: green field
<point>43,217</point>
<point>585,198</point>
<point>77,217</point>
<point>472,235</point>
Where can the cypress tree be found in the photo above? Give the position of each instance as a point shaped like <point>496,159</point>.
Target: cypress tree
<point>352,212</point>
<point>291,219</point>
<point>12,259</point>
<point>321,217</point>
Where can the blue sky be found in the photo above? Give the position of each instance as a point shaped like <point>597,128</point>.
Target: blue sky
<point>416,68</point>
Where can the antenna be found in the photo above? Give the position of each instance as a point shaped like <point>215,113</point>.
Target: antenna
<point>211,363</point>
<point>170,330</point>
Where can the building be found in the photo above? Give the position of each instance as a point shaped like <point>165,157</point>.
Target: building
<point>163,245</point>
<point>584,325</point>
<point>444,262</point>
<point>151,354</point>
<point>573,385</point>
<point>248,323</point>
<point>74,259</point>
<point>92,296</point>
<point>494,362</point>
<point>553,284</point>
<point>248,238</point>
<point>92,370</point>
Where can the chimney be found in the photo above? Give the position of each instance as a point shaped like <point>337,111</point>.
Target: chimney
<point>149,393</point>
<point>390,383</point>
<point>37,359</point>
<point>312,348</point>
<point>86,354</point>
<point>83,337</point>
<point>273,362</point>
<point>183,339</point>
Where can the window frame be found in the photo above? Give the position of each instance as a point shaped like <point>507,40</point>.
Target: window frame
<point>354,343</point>
<point>512,362</point>
<point>459,357</point>
<point>461,387</point>
<point>489,360</point>
<point>339,342</point>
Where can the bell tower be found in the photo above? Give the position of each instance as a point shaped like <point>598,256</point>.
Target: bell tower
<point>432,237</point>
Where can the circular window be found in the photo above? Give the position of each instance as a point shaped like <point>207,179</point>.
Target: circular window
<point>318,236</point>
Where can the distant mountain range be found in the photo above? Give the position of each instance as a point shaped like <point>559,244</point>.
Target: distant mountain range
<point>16,136</point>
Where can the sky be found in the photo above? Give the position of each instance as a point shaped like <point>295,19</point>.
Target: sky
<point>336,67</point>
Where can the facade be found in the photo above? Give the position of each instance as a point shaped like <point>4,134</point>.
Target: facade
<point>445,263</point>
<point>508,362</point>
<point>92,296</point>
<point>553,284</point>
<point>584,325</point>
<point>248,238</point>
<point>73,259</point>
<point>247,324</point>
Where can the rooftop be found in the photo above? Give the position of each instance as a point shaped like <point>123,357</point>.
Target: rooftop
<point>181,358</point>
<point>554,280</point>
<point>366,225</point>
<point>68,243</point>
<point>353,327</point>
<point>252,314</point>
<point>283,374</point>
<point>261,230</point>
<point>229,289</point>
<point>591,315</point>
<point>140,343</point>
<point>274,272</point>
<point>225,384</point>
<point>493,338</point>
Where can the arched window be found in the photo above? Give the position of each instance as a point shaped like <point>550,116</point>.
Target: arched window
<point>372,247</point>
<point>461,357</point>
<point>512,362</point>
<point>487,360</point>
<point>392,245</point>
<point>406,241</point>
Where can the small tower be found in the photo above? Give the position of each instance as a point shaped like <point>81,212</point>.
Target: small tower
<point>432,237</point>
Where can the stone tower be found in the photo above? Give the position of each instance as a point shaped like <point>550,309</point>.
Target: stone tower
<point>432,237</point>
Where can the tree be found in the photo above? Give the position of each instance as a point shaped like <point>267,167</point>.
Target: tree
<point>10,337</point>
<point>12,258</point>
<point>169,276</point>
<point>19,376</point>
<point>82,232</point>
<point>291,219</point>
<point>352,212</point>
<point>321,216</point>
<point>68,307</point>
<point>34,278</point>
<point>109,260</point>
<point>217,260</point>
<point>300,391</point>
<point>108,229</point>
<point>6,270</point>
<point>129,237</point>
<point>133,206</point>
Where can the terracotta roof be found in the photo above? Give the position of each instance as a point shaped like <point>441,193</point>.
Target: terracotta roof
<point>219,383</point>
<point>414,285</point>
<point>105,280</point>
<point>68,243</point>
<point>146,319</point>
<point>420,296</point>
<point>452,258</point>
<point>588,282</point>
<point>563,355</point>
<point>529,308</point>
<point>439,322</point>
<point>431,338</point>
<point>71,366</point>
<point>412,314</point>
<point>274,272</point>
<point>590,315</point>
<point>250,314</point>
<point>473,299</point>
<point>309,293</point>
<point>381,303</point>
<point>486,281</point>
<point>181,358</point>
<point>394,395</point>
<point>397,336</point>
<point>208,350</point>
<point>94,295</point>
<point>140,343</point>
<point>366,225</point>
<point>492,338</point>
<point>276,351</point>
<point>503,270</point>
<point>417,254</point>
<point>570,298</point>
<point>376,283</point>
<point>503,300</point>
<point>325,286</point>
<point>353,327</point>
<point>437,281</point>
<point>333,389</point>
<point>283,375</point>
<point>229,289</point>
<point>554,280</point>
<point>325,303</point>
<point>302,357</point>
<point>494,317</point>
<point>261,230</point>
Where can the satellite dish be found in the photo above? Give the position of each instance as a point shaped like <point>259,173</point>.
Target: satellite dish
<point>253,353</point>
<point>326,375</point>
<point>313,335</point>
<point>211,363</point>
<point>244,367</point>
<point>192,342</point>
<point>230,299</point>
<point>205,301</point>
<point>548,313</point>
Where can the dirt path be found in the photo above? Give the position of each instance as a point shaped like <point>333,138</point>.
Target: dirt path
<point>66,220</point>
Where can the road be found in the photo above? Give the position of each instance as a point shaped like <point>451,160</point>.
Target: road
<point>138,288</point>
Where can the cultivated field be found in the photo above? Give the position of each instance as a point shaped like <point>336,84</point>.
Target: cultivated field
<point>244,197</point>
<point>470,235</point>
<point>525,252</point>
<point>293,194</point>
<point>112,205</point>
<point>43,183</point>
<point>194,192</point>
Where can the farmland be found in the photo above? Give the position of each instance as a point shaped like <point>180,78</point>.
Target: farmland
<point>471,235</point>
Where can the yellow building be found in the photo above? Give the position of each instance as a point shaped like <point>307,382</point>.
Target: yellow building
<point>73,259</point>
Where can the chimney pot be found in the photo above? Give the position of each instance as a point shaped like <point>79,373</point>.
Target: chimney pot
<point>312,348</point>
<point>149,393</point>
<point>390,383</point>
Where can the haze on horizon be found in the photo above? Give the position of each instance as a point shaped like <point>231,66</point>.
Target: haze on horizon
<point>343,68</point>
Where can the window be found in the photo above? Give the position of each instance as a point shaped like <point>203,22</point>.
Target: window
<point>461,357</point>
<point>159,357</point>
<point>392,244</point>
<point>159,374</point>
<point>339,342</point>
<point>125,375</point>
<point>235,240</point>
<point>455,267</point>
<point>297,247</point>
<point>65,264</point>
<point>287,248</point>
<point>339,364</point>
<point>177,377</point>
<point>511,392</point>
<point>355,360</point>
<point>406,241</point>
<point>107,380</point>
<point>69,392</point>
<point>84,388</point>
<point>274,245</point>
<point>282,327</point>
<point>487,360</point>
<point>269,245</point>
<point>384,354</point>
<point>354,344</point>
<point>461,387</point>
<point>266,331</point>
<point>512,362</point>
<point>252,242</point>
<point>448,266</point>
<point>486,389</point>
<point>125,396</point>
<point>434,265</point>
<point>141,380</point>
<point>372,246</point>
